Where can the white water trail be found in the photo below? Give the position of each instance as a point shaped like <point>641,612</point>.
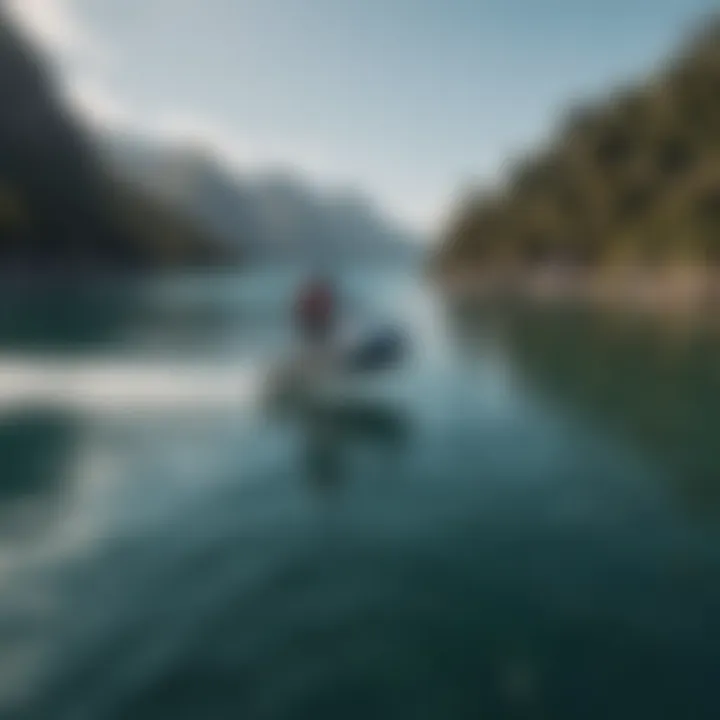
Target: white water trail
<point>100,386</point>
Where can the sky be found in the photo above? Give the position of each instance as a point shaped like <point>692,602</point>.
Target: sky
<point>407,100</point>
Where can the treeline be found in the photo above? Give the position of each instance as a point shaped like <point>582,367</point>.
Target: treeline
<point>59,209</point>
<point>632,180</point>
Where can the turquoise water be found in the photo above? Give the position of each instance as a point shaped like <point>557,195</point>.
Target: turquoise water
<point>522,522</point>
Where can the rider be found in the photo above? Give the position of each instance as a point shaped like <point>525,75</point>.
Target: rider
<point>316,309</point>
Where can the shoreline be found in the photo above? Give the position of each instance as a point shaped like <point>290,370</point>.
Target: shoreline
<point>47,278</point>
<point>677,290</point>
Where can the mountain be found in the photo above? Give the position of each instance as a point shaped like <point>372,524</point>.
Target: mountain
<point>273,216</point>
<point>632,180</point>
<point>187,179</point>
<point>296,220</point>
<point>59,210</point>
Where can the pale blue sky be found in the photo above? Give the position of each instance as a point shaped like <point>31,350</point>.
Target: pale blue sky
<point>407,99</point>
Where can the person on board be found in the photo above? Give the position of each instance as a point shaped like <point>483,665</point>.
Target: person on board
<point>316,309</point>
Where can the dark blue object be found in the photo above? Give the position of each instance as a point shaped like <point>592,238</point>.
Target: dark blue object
<point>380,350</point>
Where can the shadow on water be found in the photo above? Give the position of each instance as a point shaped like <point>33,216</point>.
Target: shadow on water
<point>652,383</point>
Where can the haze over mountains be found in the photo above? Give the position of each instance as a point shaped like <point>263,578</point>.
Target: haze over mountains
<point>72,205</point>
<point>273,215</point>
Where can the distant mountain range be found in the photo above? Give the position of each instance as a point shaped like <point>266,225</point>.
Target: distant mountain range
<point>72,204</point>
<point>268,216</point>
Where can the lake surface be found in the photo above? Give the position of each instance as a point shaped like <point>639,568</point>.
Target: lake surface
<point>522,522</point>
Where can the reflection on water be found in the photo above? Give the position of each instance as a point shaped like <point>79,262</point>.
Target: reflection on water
<point>331,433</point>
<point>67,318</point>
<point>652,384</point>
<point>496,540</point>
<point>151,316</point>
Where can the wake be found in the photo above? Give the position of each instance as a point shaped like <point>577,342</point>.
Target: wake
<point>107,387</point>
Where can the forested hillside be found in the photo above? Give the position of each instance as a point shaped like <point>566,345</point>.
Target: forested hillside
<point>633,180</point>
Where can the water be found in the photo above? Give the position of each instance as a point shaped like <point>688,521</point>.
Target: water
<point>523,523</point>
